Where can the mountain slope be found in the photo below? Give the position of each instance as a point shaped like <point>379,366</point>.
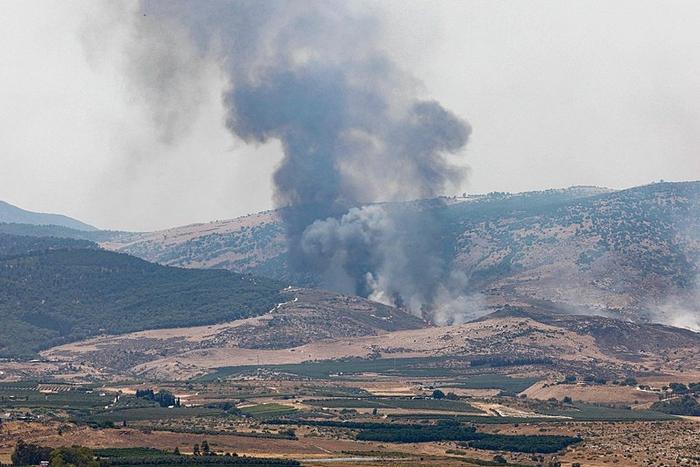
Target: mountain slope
<point>50,295</point>
<point>626,253</point>
<point>13,214</point>
<point>17,245</point>
<point>51,230</point>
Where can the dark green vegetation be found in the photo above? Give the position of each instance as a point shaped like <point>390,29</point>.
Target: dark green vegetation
<point>162,397</point>
<point>29,454</point>
<point>418,433</point>
<point>164,461</point>
<point>494,381</point>
<point>118,416</point>
<point>396,403</point>
<point>267,410</point>
<point>51,296</point>
<point>130,452</point>
<point>33,454</point>
<point>150,456</point>
<point>426,367</point>
<point>523,443</point>
<point>78,456</point>
<point>495,442</point>
<point>684,405</point>
<point>29,395</point>
<point>18,245</point>
<point>445,430</point>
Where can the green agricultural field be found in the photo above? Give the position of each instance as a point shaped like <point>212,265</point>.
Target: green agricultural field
<point>130,452</point>
<point>27,395</point>
<point>494,381</point>
<point>421,367</point>
<point>267,410</point>
<point>152,413</point>
<point>395,403</point>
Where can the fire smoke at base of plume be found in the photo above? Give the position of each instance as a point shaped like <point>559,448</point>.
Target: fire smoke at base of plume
<point>354,131</point>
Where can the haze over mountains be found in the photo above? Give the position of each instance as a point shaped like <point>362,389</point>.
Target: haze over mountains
<point>13,214</point>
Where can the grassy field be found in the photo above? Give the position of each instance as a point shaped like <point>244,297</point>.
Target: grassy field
<point>494,381</point>
<point>27,395</point>
<point>395,403</point>
<point>267,410</point>
<point>419,367</point>
<point>590,412</point>
<point>152,413</point>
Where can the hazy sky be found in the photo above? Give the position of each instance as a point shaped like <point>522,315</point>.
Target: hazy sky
<point>558,93</point>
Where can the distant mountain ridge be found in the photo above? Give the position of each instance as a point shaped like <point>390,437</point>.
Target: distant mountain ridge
<point>592,250</point>
<point>13,214</point>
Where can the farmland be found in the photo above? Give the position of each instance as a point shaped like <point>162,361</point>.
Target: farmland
<point>300,418</point>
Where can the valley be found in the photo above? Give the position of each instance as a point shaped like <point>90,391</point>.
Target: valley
<point>563,364</point>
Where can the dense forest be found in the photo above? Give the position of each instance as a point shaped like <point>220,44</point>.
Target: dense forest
<point>16,245</point>
<point>52,291</point>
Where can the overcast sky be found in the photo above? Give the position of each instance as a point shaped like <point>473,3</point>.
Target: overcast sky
<point>558,93</point>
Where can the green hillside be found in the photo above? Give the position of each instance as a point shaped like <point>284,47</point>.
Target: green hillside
<point>50,296</point>
<point>14,245</point>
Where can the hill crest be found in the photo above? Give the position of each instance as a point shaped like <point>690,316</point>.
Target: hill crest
<point>13,214</point>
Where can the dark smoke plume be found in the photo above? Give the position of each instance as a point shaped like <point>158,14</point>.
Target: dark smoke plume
<point>355,132</point>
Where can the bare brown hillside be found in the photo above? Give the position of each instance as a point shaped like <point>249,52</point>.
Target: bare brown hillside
<point>313,329</point>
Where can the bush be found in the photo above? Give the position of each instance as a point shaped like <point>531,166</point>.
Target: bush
<point>686,405</point>
<point>630,381</point>
<point>29,454</point>
<point>75,456</point>
<point>678,388</point>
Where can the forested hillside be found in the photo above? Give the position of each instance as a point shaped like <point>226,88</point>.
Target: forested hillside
<point>13,245</point>
<point>52,292</point>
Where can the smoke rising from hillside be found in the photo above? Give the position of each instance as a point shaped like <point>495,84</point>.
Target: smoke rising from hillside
<point>354,131</point>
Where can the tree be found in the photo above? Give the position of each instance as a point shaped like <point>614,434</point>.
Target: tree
<point>438,394</point>
<point>176,451</point>
<point>76,456</point>
<point>451,396</point>
<point>205,448</point>
<point>630,381</point>
<point>678,388</point>
<point>374,411</point>
<point>29,454</point>
<point>195,450</point>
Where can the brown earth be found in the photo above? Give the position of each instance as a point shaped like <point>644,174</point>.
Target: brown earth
<point>570,344</point>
